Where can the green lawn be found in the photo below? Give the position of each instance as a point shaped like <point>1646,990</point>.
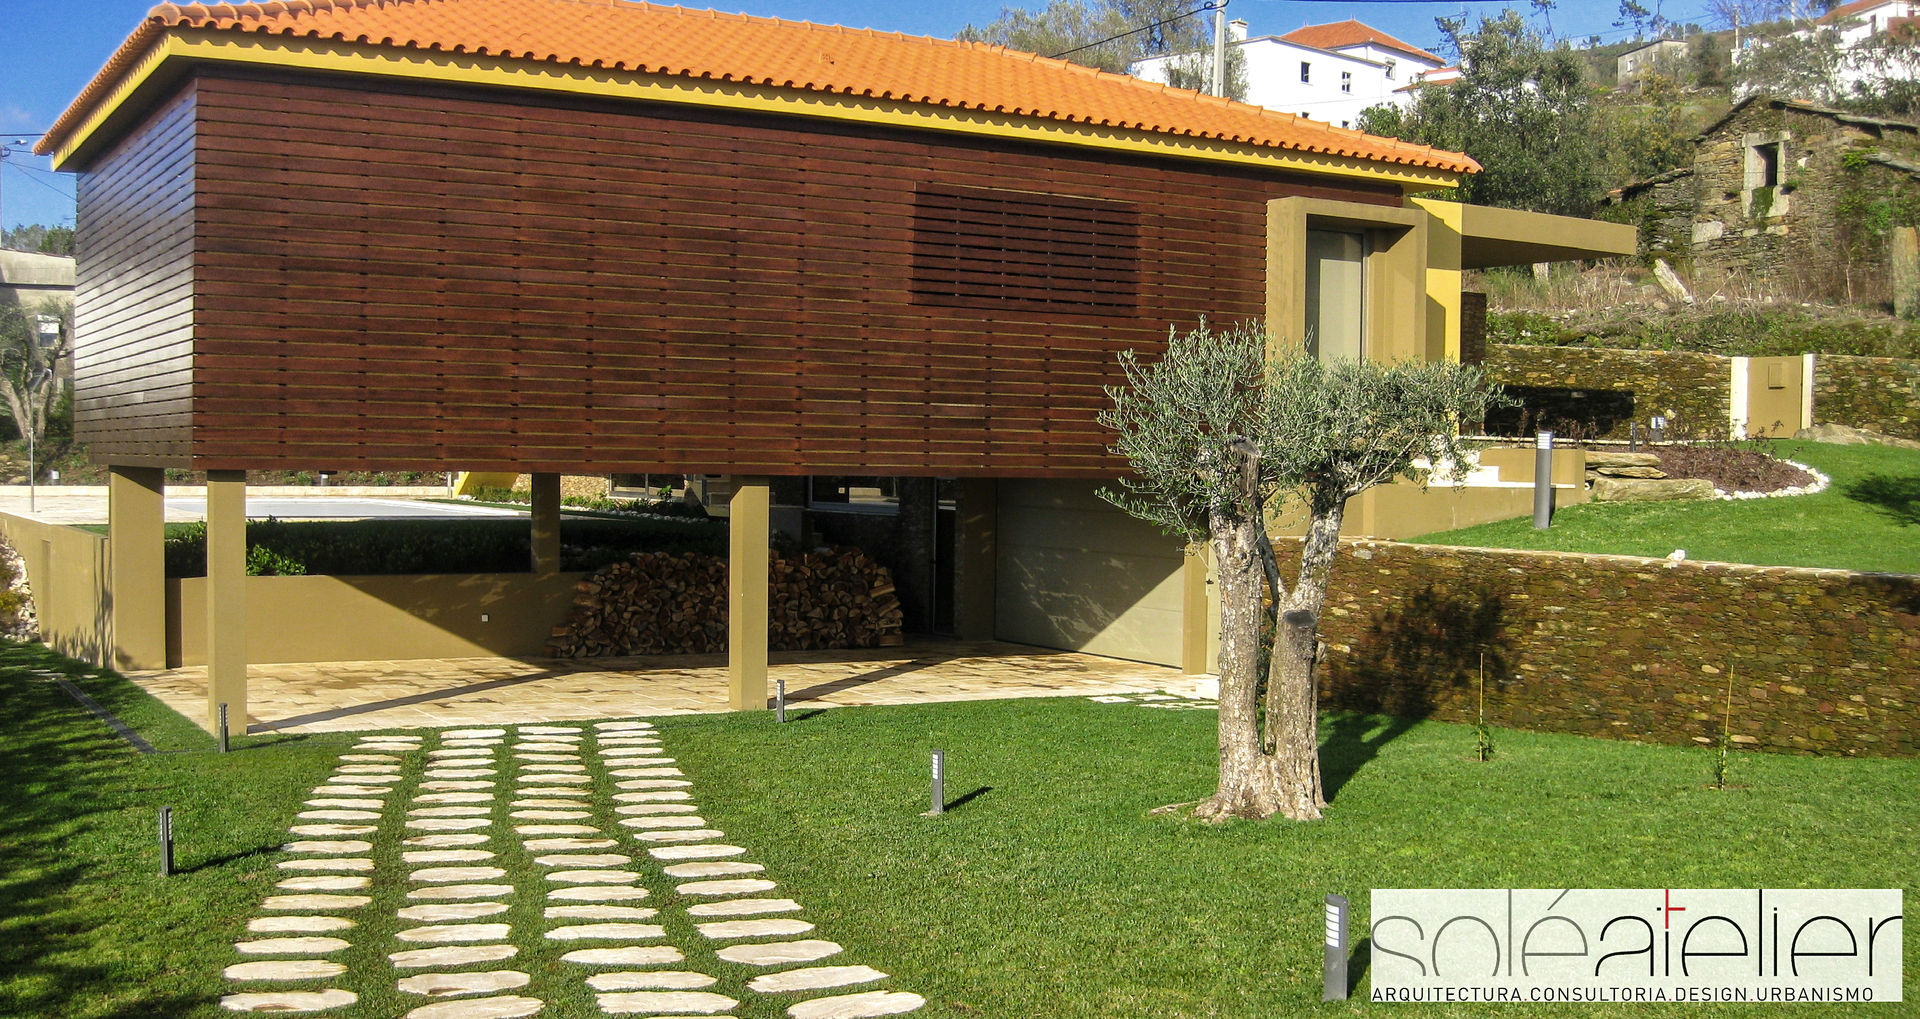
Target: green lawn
<point>1048,892</point>
<point>1869,519</point>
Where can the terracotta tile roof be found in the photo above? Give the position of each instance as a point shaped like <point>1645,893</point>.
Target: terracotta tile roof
<point>648,39</point>
<point>1340,34</point>
<point>1849,10</point>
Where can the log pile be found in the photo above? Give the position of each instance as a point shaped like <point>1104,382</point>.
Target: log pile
<point>659,603</point>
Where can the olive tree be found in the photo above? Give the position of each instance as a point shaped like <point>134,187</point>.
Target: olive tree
<point>1217,431</point>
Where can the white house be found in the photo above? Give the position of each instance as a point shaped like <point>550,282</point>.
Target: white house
<point>1859,28</point>
<point>1325,72</point>
<point>1863,19</point>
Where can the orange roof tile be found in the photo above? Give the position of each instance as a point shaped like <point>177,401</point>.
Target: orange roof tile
<point>648,39</point>
<point>1849,10</point>
<point>1341,34</point>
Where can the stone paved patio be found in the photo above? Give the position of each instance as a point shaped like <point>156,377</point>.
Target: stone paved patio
<point>353,696</point>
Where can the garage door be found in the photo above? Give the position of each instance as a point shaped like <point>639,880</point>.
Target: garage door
<point>1076,573</point>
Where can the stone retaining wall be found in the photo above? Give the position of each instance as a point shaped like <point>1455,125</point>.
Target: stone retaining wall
<point>1824,661</point>
<point>1880,394</point>
<point>1691,390</point>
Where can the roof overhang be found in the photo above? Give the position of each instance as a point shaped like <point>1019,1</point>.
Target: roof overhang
<point>1492,237</point>
<point>176,52</point>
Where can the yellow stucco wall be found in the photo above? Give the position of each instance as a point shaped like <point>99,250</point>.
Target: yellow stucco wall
<point>67,569</point>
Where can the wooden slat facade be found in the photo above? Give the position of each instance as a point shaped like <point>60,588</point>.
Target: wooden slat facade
<point>389,277</point>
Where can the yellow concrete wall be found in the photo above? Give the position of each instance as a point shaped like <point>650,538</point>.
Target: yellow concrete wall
<point>1775,388</point>
<point>67,570</point>
<point>1405,510</point>
<point>335,619</point>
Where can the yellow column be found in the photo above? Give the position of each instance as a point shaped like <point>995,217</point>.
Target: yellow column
<point>136,575</point>
<point>1196,615</point>
<point>227,599</point>
<point>546,523</point>
<point>974,560</point>
<point>747,534</point>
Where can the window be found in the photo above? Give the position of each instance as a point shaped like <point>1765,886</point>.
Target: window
<point>1306,71</point>
<point>1766,165</point>
<point>48,327</point>
<point>1022,250</point>
<point>1389,68</point>
<point>854,494</point>
<point>1346,81</point>
<point>1336,293</point>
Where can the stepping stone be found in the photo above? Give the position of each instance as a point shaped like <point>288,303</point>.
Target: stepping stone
<point>472,733</point>
<point>660,796</point>
<point>337,863</point>
<point>333,829</point>
<point>460,752</point>
<point>857,1006</point>
<point>662,820</point>
<point>647,773</point>
<point>319,902</point>
<point>550,815</point>
<point>555,829</point>
<point>454,798</point>
<point>622,725</point>
<point>323,883</point>
<point>665,1003</point>
<point>814,978</point>
<point>287,1001</point>
<point>606,932</point>
<point>509,1007</point>
<point>367,769</point>
<point>446,855</point>
<point>549,845</point>
<point>452,955</point>
<point>447,823</point>
<point>615,753</point>
<point>653,783</point>
<point>441,893</point>
<point>1158,697</point>
<point>1109,699</point>
<point>743,907</point>
<point>297,924</point>
<point>554,779</point>
<point>289,946</point>
<point>660,980</point>
<point>578,799</point>
<point>338,815</point>
<point>460,772</point>
<point>652,808</point>
<point>539,802</point>
<point>593,877</point>
<point>351,789</point>
<point>456,875</point>
<point>701,852</point>
<point>583,860</point>
<point>436,934</point>
<point>546,757</point>
<point>599,893</point>
<point>284,969</point>
<point>546,746</point>
<point>451,911</point>
<point>440,985</point>
<point>385,746</point>
<point>728,929</point>
<point>636,955</point>
<point>437,841</point>
<point>347,846</point>
<point>445,786</point>
<point>716,869</point>
<point>598,913</point>
<point>691,835</point>
<point>393,737</point>
<point>543,768</point>
<point>775,953</point>
<point>464,810</point>
<point>368,758</point>
<point>475,742</point>
<point>549,730</point>
<point>742,886</point>
<point>353,804</point>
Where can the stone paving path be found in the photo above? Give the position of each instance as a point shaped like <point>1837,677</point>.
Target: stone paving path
<point>1179,702</point>
<point>538,790</point>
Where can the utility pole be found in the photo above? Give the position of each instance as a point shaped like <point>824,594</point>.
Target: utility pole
<point>1220,51</point>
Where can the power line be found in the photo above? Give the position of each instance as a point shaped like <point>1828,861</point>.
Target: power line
<point>1148,27</point>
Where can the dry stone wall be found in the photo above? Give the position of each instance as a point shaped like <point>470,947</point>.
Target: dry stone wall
<point>1689,389</point>
<point>1823,661</point>
<point>1880,394</point>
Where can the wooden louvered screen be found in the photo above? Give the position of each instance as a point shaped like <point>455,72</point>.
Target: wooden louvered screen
<point>985,247</point>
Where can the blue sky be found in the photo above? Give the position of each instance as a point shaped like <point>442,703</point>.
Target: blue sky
<point>55,46</point>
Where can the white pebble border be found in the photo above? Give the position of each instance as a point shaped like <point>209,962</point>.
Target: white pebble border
<point>1820,483</point>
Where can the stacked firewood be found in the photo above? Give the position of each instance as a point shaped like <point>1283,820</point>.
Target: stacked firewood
<point>659,603</point>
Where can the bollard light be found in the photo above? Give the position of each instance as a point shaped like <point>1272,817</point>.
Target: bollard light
<point>939,784</point>
<point>1336,964</point>
<point>1543,481</point>
<point>780,700</point>
<point>223,727</point>
<point>166,841</point>
<point>1656,428</point>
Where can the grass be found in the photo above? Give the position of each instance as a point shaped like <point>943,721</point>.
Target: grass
<point>1046,890</point>
<point>1868,519</point>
